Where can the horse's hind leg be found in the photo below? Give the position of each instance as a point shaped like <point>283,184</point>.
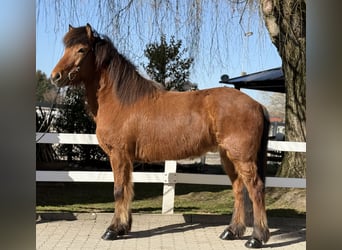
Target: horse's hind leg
<point>123,195</point>
<point>256,190</point>
<point>237,227</point>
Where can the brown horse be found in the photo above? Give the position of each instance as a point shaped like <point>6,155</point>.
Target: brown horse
<point>137,120</point>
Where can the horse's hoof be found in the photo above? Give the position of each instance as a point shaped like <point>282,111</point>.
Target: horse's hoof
<point>227,235</point>
<point>122,232</point>
<point>109,235</point>
<point>253,243</point>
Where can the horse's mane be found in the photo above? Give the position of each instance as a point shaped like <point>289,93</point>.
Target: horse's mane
<point>129,85</point>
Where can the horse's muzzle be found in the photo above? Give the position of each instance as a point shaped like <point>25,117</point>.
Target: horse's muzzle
<point>56,78</point>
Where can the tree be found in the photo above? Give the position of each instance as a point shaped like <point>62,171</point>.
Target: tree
<point>167,66</point>
<point>45,91</point>
<point>286,23</point>
<point>284,20</point>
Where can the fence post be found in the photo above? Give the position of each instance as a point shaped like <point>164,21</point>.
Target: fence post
<point>169,187</point>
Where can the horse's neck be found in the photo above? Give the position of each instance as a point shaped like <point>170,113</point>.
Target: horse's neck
<point>91,94</point>
<point>99,93</point>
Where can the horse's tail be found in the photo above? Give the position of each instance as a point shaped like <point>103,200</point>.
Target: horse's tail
<point>262,153</point>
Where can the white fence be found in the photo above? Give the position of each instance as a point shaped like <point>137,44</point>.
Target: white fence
<point>169,177</point>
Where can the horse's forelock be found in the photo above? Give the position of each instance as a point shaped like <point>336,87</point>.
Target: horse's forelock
<point>77,36</point>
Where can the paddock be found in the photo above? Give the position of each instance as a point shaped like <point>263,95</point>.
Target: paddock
<point>82,231</point>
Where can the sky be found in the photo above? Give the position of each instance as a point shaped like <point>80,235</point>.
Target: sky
<point>235,54</point>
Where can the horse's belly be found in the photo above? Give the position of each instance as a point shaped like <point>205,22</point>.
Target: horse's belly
<point>172,149</point>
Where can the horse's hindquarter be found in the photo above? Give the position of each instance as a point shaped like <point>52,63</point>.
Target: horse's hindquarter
<point>238,122</point>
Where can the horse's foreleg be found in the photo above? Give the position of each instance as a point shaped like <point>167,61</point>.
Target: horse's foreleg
<point>123,195</point>
<point>236,228</point>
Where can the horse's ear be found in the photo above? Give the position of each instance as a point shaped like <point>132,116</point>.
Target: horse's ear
<point>89,31</point>
<point>70,27</point>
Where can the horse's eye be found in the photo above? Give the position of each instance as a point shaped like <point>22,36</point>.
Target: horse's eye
<point>81,50</point>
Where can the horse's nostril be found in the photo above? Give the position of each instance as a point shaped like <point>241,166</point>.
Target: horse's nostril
<point>56,77</point>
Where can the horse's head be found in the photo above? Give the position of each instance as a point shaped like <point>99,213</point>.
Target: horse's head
<point>78,60</point>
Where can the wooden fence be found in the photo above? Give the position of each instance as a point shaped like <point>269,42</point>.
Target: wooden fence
<point>169,177</point>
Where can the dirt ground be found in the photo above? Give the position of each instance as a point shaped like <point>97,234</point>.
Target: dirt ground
<point>293,198</point>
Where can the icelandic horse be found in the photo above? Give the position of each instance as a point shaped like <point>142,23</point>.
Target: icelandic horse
<point>138,121</point>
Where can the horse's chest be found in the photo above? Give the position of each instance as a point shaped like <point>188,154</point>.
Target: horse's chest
<point>108,139</point>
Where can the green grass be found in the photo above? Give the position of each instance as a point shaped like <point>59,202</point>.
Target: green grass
<point>98,197</point>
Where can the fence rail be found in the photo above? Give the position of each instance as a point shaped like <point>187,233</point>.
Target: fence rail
<point>169,177</point>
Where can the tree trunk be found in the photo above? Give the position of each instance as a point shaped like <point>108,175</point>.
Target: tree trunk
<point>286,21</point>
